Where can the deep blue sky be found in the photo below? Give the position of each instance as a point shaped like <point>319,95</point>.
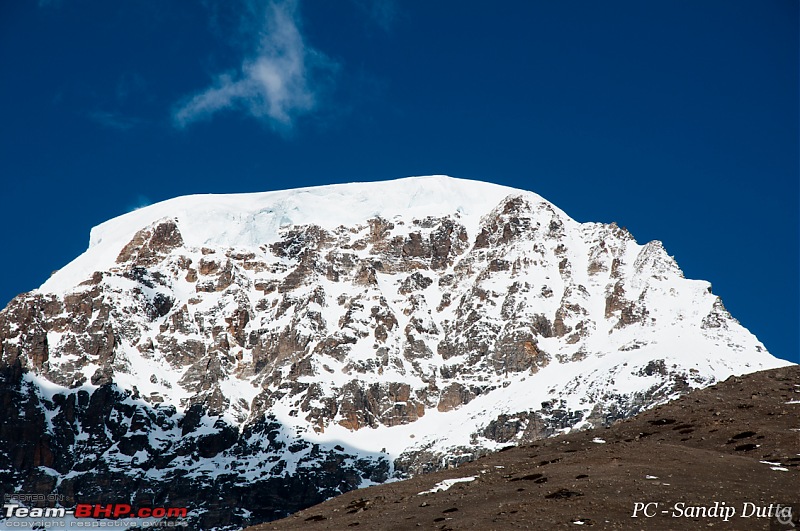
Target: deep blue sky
<point>676,119</point>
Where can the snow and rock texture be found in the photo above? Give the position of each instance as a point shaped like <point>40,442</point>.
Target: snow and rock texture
<point>266,351</point>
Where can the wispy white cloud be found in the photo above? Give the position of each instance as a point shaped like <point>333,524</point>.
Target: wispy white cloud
<point>141,201</point>
<point>276,84</point>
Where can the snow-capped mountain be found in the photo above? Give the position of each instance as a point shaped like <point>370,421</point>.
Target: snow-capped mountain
<point>248,355</point>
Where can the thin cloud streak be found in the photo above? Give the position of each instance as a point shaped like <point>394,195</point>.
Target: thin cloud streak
<point>114,120</point>
<point>276,85</point>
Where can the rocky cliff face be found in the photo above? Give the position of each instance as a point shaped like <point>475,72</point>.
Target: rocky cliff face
<point>247,356</point>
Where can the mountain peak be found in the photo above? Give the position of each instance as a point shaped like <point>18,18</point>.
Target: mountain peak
<point>375,329</point>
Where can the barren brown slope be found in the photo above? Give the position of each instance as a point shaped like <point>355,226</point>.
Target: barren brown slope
<point>734,446</point>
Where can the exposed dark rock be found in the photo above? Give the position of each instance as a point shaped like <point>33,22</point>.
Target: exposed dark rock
<point>415,282</point>
<point>150,245</point>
